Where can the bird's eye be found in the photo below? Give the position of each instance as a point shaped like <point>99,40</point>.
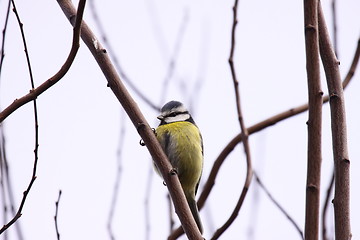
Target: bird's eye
<point>173,114</point>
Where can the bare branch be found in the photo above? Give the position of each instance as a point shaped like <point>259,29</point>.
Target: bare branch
<point>170,177</point>
<point>2,56</point>
<point>34,93</point>
<point>314,122</point>
<point>262,125</point>
<point>117,64</point>
<point>119,169</point>
<point>56,216</point>
<point>21,25</point>
<point>146,203</point>
<point>4,177</point>
<point>13,107</point>
<point>244,133</point>
<point>331,184</point>
<point>334,18</point>
<point>339,133</point>
<point>7,186</point>
<point>326,205</point>
<point>277,204</point>
<point>171,215</point>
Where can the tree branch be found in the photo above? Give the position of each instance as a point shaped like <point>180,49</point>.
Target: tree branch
<point>2,55</point>
<point>339,133</point>
<point>244,133</point>
<point>114,82</point>
<point>277,204</point>
<point>334,21</point>
<point>116,60</point>
<point>326,205</point>
<point>262,125</point>
<point>56,216</point>
<point>32,95</point>
<point>314,123</point>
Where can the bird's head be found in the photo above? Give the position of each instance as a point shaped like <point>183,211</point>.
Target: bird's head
<point>173,111</point>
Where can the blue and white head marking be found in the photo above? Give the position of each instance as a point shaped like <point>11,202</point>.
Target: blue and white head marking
<point>173,111</point>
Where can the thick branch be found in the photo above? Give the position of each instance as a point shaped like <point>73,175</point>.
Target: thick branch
<point>339,133</point>
<point>314,122</point>
<point>140,123</point>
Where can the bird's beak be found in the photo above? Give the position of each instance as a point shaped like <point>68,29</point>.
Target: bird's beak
<point>160,117</point>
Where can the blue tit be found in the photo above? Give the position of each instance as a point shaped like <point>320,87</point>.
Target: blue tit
<point>181,141</point>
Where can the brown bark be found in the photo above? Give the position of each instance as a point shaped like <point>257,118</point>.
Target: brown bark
<point>314,121</point>
<point>339,133</point>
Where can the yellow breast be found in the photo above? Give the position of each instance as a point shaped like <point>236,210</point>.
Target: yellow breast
<point>182,143</point>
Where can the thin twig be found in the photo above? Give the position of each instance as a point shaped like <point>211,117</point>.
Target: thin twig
<point>32,95</point>
<point>2,56</point>
<point>6,183</point>
<point>147,201</point>
<point>264,124</point>
<point>277,204</point>
<point>171,215</point>
<point>146,133</point>
<point>326,205</point>
<point>244,133</point>
<point>334,25</point>
<point>2,180</point>
<point>56,216</point>
<point>35,115</point>
<point>203,62</point>
<point>175,53</point>
<point>21,25</point>
<point>124,76</point>
<point>158,32</point>
<point>119,159</point>
<point>6,172</point>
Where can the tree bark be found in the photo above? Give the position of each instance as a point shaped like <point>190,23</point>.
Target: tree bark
<point>314,121</point>
<point>339,133</point>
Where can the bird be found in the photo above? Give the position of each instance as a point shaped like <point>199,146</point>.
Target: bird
<point>181,140</point>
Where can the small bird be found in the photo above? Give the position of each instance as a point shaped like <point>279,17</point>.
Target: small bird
<point>181,141</point>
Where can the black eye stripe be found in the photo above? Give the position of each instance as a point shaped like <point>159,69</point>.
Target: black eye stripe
<point>174,114</point>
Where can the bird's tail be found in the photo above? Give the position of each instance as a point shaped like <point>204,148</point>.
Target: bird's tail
<point>195,212</point>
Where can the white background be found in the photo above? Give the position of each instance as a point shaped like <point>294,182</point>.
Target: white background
<point>80,118</point>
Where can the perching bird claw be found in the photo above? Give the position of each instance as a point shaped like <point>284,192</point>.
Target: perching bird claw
<point>141,142</point>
